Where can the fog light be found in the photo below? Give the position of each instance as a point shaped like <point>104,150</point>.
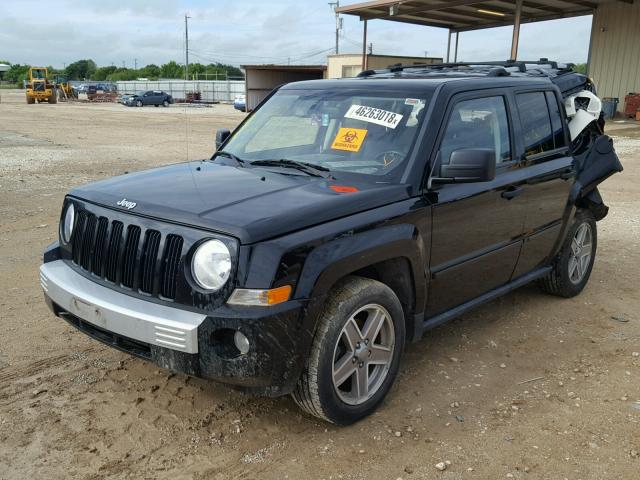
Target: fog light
<point>242,342</point>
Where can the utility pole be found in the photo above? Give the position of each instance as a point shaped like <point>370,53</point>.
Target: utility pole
<point>335,5</point>
<point>135,64</point>
<point>371,49</point>
<point>123,64</point>
<point>186,47</point>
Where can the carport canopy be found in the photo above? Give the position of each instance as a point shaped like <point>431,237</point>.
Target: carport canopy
<point>465,15</point>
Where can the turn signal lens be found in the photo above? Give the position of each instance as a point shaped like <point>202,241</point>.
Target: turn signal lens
<point>252,297</point>
<point>343,189</point>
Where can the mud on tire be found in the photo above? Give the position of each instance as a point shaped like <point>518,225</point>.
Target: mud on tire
<point>349,304</point>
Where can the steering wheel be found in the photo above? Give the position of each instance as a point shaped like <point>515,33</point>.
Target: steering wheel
<point>390,158</point>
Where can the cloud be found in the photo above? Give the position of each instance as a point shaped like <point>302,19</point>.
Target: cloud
<point>248,31</point>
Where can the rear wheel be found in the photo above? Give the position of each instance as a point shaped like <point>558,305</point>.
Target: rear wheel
<point>53,98</point>
<point>355,353</point>
<point>31,100</point>
<point>573,265</point>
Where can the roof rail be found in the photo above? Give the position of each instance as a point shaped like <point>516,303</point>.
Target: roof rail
<point>489,68</point>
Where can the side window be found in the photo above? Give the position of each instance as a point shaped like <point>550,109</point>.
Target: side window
<point>478,123</point>
<point>556,120</point>
<point>536,124</point>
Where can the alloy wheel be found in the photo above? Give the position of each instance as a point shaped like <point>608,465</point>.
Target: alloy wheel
<point>363,354</point>
<point>581,251</point>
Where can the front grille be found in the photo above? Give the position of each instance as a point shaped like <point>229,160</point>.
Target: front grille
<point>127,255</point>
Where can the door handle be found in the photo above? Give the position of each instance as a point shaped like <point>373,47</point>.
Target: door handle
<point>512,192</point>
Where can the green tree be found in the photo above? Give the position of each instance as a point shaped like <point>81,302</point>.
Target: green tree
<point>171,70</point>
<point>151,71</point>
<point>102,73</point>
<point>580,68</point>
<point>81,70</point>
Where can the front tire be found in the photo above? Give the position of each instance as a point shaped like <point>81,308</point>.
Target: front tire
<point>139,103</point>
<point>573,265</point>
<point>355,354</point>
<point>165,103</point>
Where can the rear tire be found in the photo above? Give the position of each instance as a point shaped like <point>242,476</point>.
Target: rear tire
<point>355,354</point>
<point>572,267</point>
<point>31,100</point>
<point>53,98</point>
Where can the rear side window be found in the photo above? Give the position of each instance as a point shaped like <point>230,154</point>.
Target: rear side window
<point>556,120</point>
<point>541,122</point>
<point>478,123</point>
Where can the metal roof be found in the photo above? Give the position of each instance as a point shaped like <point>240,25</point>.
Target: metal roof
<point>465,15</point>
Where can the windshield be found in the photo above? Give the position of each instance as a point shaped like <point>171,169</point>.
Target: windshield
<point>355,131</point>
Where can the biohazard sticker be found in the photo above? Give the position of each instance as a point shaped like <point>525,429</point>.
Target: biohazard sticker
<point>349,139</point>
<point>374,115</point>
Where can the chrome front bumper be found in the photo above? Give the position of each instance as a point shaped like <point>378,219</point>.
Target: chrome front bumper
<point>116,312</point>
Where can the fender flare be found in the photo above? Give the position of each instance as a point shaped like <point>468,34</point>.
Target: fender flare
<point>332,261</point>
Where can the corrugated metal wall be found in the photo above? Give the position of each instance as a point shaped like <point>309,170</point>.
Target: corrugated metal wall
<point>615,50</point>
<point>211,90</point>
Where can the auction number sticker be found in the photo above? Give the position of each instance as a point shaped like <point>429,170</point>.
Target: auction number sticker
<point>349,139</point>
<point>374,115</point>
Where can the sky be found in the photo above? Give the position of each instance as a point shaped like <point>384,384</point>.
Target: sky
<point>247,32</point>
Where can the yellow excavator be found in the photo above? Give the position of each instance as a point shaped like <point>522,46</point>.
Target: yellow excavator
<point>39,88</point>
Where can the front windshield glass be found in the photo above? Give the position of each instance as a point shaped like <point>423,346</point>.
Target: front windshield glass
<point>354,131</point>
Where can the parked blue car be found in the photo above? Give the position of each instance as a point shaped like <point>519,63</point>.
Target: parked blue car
<point>240,103</point>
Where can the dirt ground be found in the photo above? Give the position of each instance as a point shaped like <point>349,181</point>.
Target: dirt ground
<point>528,386</point>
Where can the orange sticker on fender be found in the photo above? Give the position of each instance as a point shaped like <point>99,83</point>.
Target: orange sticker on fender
<point>349,139</point>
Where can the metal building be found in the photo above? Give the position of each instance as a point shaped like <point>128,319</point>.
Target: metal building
<point>614,52</point>
<point>351,64</point>
<point>262,79</point>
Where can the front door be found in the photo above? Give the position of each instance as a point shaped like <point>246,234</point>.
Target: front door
<point>477,227</point>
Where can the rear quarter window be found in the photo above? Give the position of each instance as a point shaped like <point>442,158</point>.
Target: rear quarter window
<point>536,123</point>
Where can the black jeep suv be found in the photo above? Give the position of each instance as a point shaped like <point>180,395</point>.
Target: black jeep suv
<point>339,221</point>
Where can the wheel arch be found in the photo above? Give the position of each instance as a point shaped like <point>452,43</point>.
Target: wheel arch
<point>391,255</point>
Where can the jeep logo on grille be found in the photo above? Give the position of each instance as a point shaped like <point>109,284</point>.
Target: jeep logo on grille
<point>126,204</point>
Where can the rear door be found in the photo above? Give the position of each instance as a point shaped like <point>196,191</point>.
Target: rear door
<point>147,98</point>
<point>477,227</point>
<point>548,167</point>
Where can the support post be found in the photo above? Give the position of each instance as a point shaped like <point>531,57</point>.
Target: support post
<point>186,47</point>
<point>594,19</point>
<point>449,46</point>
<point>455,55</point>
<point>516,30</point>
<point>364,47</point>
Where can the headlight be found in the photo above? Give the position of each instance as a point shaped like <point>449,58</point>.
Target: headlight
<point>68,222</point>
<point>211,265</point>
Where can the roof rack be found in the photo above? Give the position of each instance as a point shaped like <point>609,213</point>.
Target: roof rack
<point>561,74</point>
<point>509,66</point>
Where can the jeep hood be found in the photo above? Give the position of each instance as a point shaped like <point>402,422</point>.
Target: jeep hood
<point>251,204</point>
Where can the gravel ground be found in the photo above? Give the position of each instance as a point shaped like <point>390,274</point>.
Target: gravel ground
<point>528,386</point>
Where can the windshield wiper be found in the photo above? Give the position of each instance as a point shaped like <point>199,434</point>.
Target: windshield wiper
<point>224,153</point>
<point>308,168</point>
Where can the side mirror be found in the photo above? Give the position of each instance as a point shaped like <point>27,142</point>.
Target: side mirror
<point>221,136</point>
<point>469,165</point>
